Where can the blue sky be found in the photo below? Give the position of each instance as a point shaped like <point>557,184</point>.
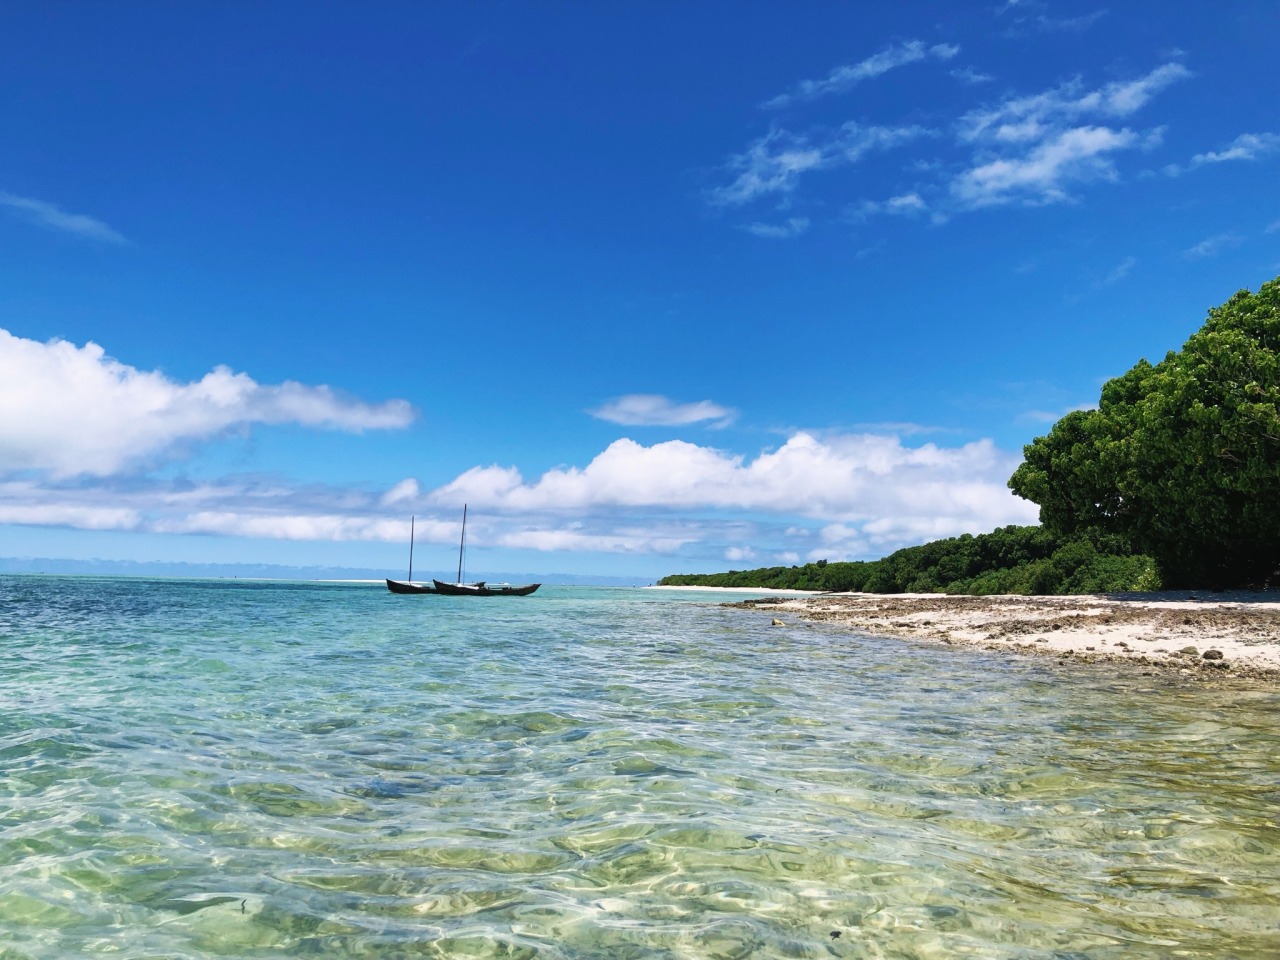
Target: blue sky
<point>654,288</point>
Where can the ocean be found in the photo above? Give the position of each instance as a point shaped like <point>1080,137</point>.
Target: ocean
<point>223,768</point>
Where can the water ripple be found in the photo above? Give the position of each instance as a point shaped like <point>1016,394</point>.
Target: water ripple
<point>209,768</point>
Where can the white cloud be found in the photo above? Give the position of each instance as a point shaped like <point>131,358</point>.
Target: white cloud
<point>1042,175</point>
<point>779,231</point>
<point>552,540</point>
<point>288,526</point>
<point>845,77</point>
<point>1021,119</point>
<point>907,204</point>
<point>653,410</point>
<point>403,491</point>
<point>1030,149</point>
<point>78,516</point>
<point>971,76</point>
<point>775,162</point>
<point>1212,246</point>
<point>850,478</point>
<point>73,411</point>
<point>1031,18</point>
<point>738,554</point>
<point>1026,150</point>
<point>49,215</point>
<point>1247,146</point>
<point>1119,271</point>
<point>867,493</point>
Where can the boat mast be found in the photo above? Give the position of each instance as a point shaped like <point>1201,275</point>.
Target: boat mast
<point>462,543</point>
<point>411,519</point>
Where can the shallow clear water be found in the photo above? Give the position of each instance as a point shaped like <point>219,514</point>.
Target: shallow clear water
<point>222,768</point>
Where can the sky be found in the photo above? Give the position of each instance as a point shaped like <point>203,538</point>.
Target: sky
<point>652,288</point>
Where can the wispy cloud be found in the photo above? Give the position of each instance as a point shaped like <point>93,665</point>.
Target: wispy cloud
<point>1029,118</point>
<point>1032,16</point>
<point>793,227</point>
<point>1119,271</point>
<point>654,410</point>
<point>847,76</point>
<point>1024,149</point>
<point>907,204</point>
<point>1042,175</point>
<point>51,216</point>
<point>1247,146</point>
<point>775,162</point>
<point>75,411</point>
<point>971,76</point>
<point>1212,246</point>
<point>1031,149</point>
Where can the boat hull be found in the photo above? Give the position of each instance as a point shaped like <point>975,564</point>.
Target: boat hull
<point>408,586</point>
<point>483,589</point>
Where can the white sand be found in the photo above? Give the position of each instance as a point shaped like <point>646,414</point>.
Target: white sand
<point>757,590</point>
<point>1152,630</point>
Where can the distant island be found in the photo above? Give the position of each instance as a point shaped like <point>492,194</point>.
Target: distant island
<point>1173,481</point>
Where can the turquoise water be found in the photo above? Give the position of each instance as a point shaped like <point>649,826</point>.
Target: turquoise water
<point>222,768</point>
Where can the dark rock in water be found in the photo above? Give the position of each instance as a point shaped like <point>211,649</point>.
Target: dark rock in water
<point>1191,650</point>
<point>1212,655</point>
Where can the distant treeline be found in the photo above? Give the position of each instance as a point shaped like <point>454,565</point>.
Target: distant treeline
<point>1028,560</point>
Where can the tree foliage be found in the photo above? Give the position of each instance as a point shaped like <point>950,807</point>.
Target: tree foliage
<point>1181,458</point>
<point>1027,560</point>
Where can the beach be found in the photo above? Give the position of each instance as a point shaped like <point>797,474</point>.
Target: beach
<point>1220,637</point>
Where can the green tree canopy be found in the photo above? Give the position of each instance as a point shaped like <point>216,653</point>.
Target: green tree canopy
<point>1181,458</point>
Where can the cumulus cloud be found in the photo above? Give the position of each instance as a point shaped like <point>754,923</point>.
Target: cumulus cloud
<point>847,76</point>
<point>854,477</point>
<point>49,215</point>
<point>653,410</point>
<point>73,411</point>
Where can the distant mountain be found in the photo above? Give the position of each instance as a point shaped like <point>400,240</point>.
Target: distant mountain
<point>270,571</point>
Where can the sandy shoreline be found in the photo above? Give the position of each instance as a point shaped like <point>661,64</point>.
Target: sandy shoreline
<point>1206,636</point>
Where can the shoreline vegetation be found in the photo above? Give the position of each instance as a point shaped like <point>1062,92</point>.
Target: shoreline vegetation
<point>1171,481</point>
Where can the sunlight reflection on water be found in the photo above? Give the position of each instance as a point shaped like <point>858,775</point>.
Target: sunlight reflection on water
<point>207,768</point>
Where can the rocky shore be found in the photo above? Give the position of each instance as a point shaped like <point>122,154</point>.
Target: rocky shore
<point>1211,636</point>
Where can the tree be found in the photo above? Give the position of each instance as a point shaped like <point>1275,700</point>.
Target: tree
<point>1182,458</point>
